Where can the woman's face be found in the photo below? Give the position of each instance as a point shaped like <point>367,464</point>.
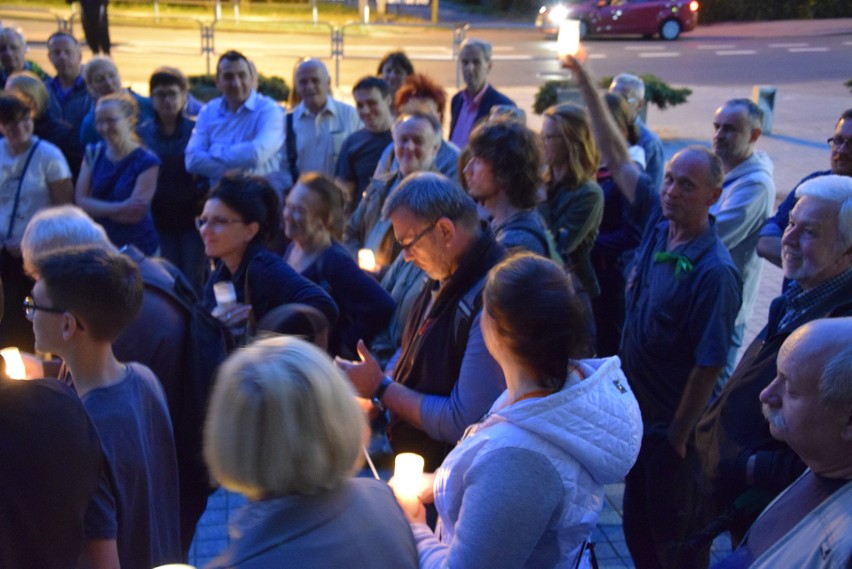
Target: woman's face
<point>394,76</point>
<point>224,233</point>
<point>555,149</point>
<point>112,124</point>
<point>301,214</point>
<point>481,184</point>
<point>18,132</point>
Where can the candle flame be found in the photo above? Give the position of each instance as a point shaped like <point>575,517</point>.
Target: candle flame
<point>14,363</point>
<point>367,260</point>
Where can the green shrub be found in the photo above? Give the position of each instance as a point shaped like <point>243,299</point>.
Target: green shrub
<point>657,92</point>
<point>203,87</point>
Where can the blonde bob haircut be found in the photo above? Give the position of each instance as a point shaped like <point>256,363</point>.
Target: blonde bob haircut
<point>283,420</point>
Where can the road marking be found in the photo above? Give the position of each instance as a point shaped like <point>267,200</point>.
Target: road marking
<point>597,56</point>
<point>847,43</point>
<point>660,54</point>
<point>520,57</point>
<point>787,45</point>
<point>736,52</point>
<point>644,48</point>
<point>714,46</point>
<point>807,49</point>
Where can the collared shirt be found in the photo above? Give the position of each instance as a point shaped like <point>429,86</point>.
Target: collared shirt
<point>250,139</point>
<point>798,301</point>
<point>320,136</point>
<point>467,116</point>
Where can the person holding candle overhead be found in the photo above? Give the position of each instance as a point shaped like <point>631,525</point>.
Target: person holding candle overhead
<point>524,487</point>
<point>285,430</point>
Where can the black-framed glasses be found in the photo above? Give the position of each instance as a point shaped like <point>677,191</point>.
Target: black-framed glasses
<point>418,237</point>
<point>30,308</point>
<point>216,223</point>
<point>838,141</point>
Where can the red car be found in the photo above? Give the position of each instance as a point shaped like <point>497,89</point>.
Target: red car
<point>668,18</point>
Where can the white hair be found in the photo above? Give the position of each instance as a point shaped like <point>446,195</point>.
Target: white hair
<point>838,190</point>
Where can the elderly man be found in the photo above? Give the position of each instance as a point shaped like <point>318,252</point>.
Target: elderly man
<point>68,89</point>
<point>748,194</point>
<point>840,157</point>
<point>102,78</point>
<point>362,149</point>
<point>241,130</point>
<point>632,89</point>
<point>13,49</point>
<point>478,96</point>
<point>808,406</point>
<point>742,466</point>
<point>319,124</point>
<point>416,139</point>
<point>445,379</point>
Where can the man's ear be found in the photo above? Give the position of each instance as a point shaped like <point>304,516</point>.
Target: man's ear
<point>70,326</point>
<point>446,229</point>
<point>755,134</point>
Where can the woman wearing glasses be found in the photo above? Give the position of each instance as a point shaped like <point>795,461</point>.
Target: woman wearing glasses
<point>239,217</point>
<point>118,177</point>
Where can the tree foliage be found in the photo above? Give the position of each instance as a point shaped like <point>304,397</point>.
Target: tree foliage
<point>203,87</point>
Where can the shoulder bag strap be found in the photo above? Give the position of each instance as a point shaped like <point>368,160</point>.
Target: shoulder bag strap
<point>18,192</point>
<point>292,154</point>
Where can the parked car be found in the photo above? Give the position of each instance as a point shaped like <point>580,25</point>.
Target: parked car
<point>668,18</point>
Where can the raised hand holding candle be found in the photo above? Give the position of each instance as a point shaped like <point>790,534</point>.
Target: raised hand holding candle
<point>367,260</point>
<point>568,40</point>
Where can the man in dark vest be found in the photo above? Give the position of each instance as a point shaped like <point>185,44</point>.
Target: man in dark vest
<point>445,378</point>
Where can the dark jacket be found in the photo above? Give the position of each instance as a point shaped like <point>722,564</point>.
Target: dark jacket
<point>491,98</point>
<point>733,428</point>
<point>433,349</point>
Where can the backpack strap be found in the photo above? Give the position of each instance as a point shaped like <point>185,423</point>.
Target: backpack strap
<point>20,186</point>
<point>292,154</point>
<point>467,309</point>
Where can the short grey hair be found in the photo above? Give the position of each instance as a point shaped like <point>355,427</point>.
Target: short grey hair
<point>431,196</point>
<point>283,420</point>
<point>715,173</point>
<point>632,85</point>
<point>60,227</point>
<point>433,121</point>
<point>482,45</point>
<point>838,190</point>
<point>311,62</point>
<point>14,33</point>
<point>94,64</point>
<point>753,112</point>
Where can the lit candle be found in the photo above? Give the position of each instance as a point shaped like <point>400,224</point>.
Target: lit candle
<point>367,260</point>
<point>225,294</point>
<point>14,363</point>
<point>408,475</point>
<point>568,40</point>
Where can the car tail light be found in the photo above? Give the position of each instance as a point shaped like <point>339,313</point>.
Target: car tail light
<point>693,6</point>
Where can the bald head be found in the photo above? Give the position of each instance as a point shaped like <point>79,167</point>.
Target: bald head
<point>809,403</point>
<point>13,47</point>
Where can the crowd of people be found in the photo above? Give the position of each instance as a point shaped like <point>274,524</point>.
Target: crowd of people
<point>536,315</point>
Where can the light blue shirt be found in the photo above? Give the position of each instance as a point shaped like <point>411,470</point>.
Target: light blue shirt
<point>250,139</point>
<point>319,137</point>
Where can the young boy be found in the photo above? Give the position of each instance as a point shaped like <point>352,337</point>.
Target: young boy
<point>82,301</point>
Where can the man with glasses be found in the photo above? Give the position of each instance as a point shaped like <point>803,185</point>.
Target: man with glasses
<point>82,301</point>
<point>445,378</point>
<point>840,144</point>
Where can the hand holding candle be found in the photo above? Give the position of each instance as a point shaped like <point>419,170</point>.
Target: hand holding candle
<point>367,260</point>
<point>568,42</point>
<point>407,483</point>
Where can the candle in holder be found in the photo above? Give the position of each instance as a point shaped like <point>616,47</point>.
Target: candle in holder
<point>14,363</point>
<point>568,40</point>
<point>367,260</point>
<point>408,475</point>
<point>225,294</point>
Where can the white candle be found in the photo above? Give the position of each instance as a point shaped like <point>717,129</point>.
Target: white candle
<point>568,40</point>
<point>224,293</point>
<point>367,260</point>
<point>14,363</point>
<point>408,475</point>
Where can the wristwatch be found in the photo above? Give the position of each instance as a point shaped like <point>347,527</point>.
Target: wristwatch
<point>380,392</point>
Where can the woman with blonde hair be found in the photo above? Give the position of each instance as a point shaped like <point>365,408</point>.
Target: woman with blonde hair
<point>118,177</point>
<point>285,430</point>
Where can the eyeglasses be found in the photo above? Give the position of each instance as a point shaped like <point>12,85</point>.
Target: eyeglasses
<point>216,223</point>
<point>839,141</point>
<point>30,308</point>
<point>418,237</point>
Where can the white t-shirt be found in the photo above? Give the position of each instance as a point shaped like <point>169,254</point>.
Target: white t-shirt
<point>46,165</point>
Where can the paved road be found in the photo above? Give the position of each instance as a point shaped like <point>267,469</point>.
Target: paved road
<point>720,55</point>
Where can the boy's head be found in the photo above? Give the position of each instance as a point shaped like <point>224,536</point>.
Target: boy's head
<point>83,289</point>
